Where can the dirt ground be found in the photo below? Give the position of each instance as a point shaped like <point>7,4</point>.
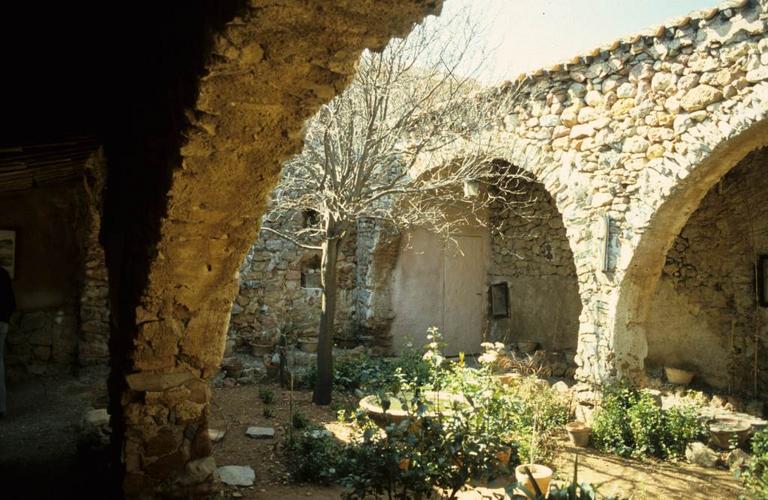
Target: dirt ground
<point>38,456</point>
<point>237,408</point>
<point>38,448</point>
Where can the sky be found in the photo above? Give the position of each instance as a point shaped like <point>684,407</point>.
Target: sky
<point>525,35</point>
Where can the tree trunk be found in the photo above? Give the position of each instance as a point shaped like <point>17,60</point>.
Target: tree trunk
<point>324,383</point>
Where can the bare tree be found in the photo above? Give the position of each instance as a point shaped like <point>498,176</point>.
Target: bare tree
<point>367,155</point>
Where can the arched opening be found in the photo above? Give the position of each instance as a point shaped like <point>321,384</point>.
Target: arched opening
<point>511,280</point>
<point>704,315</point>
<point>531,253</point>
<point>688,296</point>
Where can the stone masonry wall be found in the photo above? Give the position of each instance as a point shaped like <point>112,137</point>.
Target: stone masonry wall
<point>60,327</point>
<point>93,345</point>
<point>636,131</point>
<point>272,299</point>
<point>703,313</point>
<point>530,251</point>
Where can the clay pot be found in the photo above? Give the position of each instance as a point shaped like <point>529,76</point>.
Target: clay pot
<point>261,349</point>
<point>527,346</point>
<point>579,433</point>
<point>541,474</point>
<point>678,376</point>
<point>724,430</point>
<point>504,456</point>
<point>308,344</point>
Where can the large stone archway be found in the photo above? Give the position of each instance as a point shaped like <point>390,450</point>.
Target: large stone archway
<point>617,136</point>
<point>644,269</point>
<point>269,68</point>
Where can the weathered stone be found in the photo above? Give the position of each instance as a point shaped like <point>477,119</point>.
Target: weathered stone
<point>587,114</point>
<point>699,97</point>
<point>626,90</point>
<point>157,381</point>
<point>216,435</point>
<point>757,75</point>
<point>699,454</point>
<point>199,471</point>
<point>736,459</point>
<point>260,432</point>
<point>236,475</point>
<point>661,82</point>
<point>634,145</point>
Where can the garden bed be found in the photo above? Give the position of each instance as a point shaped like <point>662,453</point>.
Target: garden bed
<point>237,408</point>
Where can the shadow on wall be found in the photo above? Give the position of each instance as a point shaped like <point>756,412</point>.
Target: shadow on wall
<point>704,315</point>
<point>530,251</point>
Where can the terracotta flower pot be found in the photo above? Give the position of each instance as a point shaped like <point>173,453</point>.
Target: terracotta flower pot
<point>678,376</point>
<point>541,474</point>
<point>503,456</point>
<point>261,349</point>
<point>579,433</point>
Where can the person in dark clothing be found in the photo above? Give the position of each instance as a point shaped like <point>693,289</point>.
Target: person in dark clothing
<point>7,306</point>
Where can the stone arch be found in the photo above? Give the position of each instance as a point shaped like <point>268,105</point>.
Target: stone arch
<point>644,268</point>
<point>177,225</point>
<point>530,250</point>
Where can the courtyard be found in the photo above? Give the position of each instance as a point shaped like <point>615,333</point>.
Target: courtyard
<point>296,249</point>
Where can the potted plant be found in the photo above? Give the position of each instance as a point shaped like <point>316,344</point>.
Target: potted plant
<point>579,433</point>
<point>532,478</point>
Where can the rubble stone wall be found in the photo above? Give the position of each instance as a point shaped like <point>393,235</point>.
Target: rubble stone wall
<point>272,297</point>
<point>703,315</point>
<point>637,131</point>
<point>93,344</point>
<point>530,252</point>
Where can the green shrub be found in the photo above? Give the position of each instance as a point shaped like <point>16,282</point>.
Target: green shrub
<point>630,423</point>
<point>313,455</point>
<point>755,473</point>
<point>299,421</point>
<point>646,424</point>
<point>266,395</point>
<point>412,458</point>
<point>682,426</point>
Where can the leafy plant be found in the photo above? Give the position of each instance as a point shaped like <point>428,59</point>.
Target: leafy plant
<point>267,412</point>
<point>266,395</point>
<point>313,455</point>
<point>299,421</point>
<point>631,423</point>
<point>755,472</point>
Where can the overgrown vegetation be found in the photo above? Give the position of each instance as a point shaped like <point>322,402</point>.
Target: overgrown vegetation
<point>430,451</point>
<point>631,423</point>
<point>755,473</point>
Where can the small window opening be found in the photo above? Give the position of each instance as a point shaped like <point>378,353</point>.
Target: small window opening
<point>310,272</point>
<point>310,218</point>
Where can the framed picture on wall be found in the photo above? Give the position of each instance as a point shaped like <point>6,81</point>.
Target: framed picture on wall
<point>762,280</point>
<point>8,250</point>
